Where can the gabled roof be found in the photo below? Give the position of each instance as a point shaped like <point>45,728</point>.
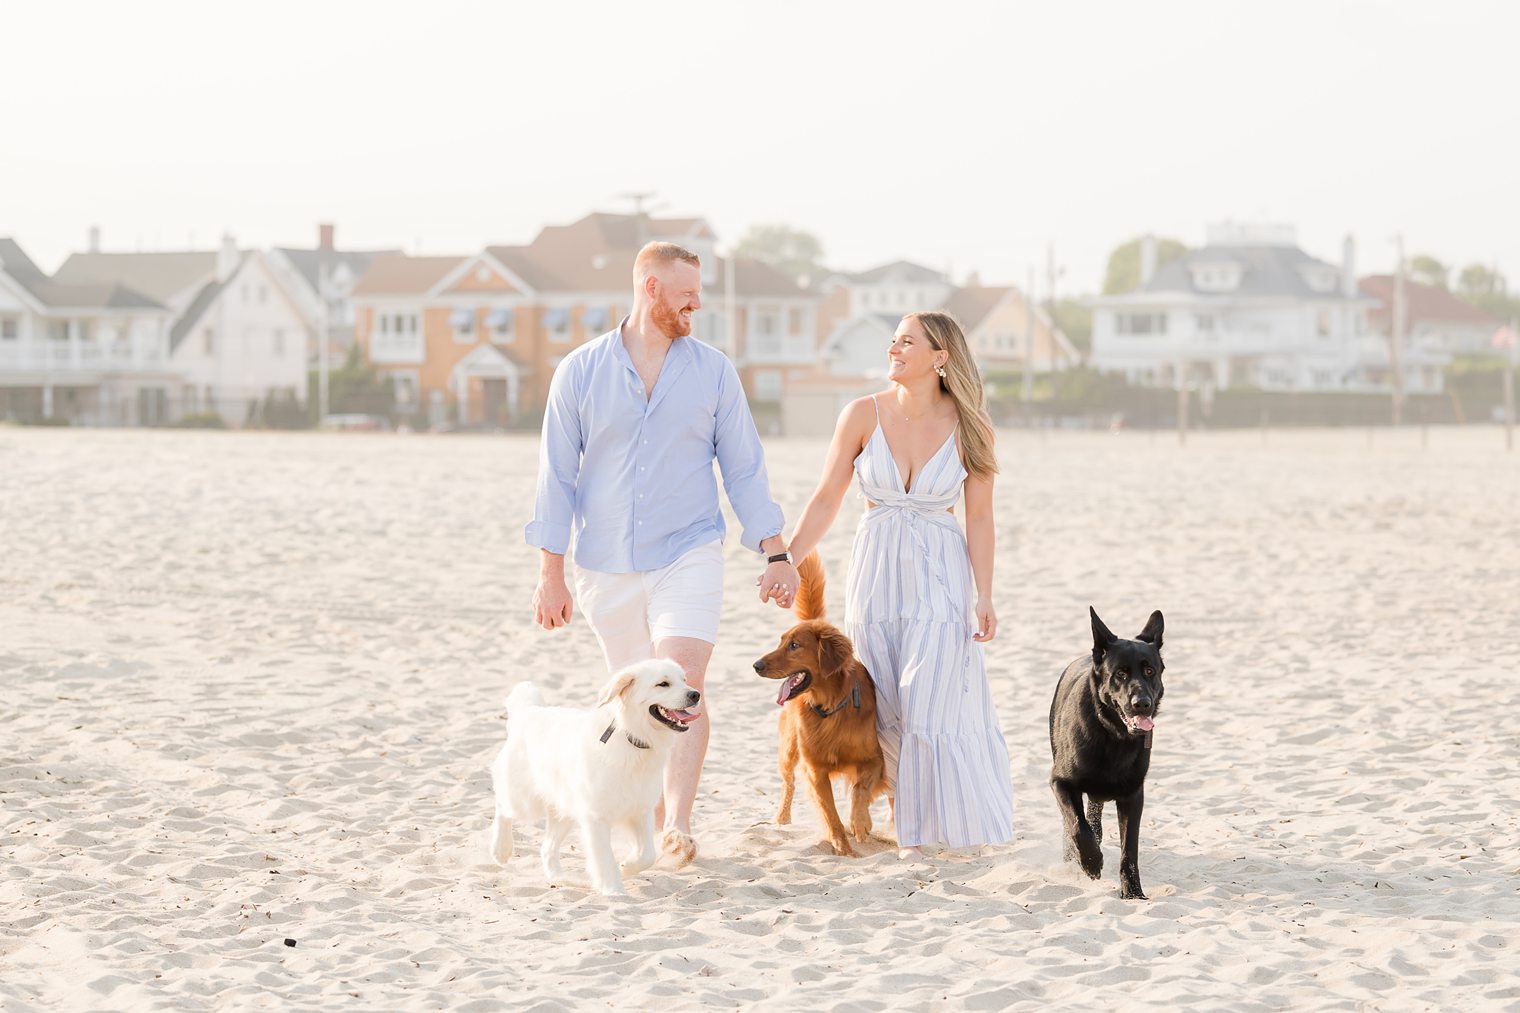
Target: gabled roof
<point>971,305</point>
<point>63,295</point>
<point>398,274</point>
<point>160,276</point>
<point>596,254</point>
<point>1422,303</point>
<point>198,306</point>
<point>1264,271</point>
<point>904,270</point>
<point>308,263</point>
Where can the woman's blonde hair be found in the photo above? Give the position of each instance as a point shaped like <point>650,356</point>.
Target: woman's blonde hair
<point>963,382</point>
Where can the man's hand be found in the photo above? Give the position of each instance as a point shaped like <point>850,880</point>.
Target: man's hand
<point>551,602</point>
<point>779,581</point>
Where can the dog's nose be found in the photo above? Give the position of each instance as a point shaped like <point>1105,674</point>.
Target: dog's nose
<point>692,696</point>
<point>1141,706</point>
<point>760,665</point>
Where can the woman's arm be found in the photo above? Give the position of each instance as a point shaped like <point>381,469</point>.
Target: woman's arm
<point>981,539</point>
<point>850,435</point>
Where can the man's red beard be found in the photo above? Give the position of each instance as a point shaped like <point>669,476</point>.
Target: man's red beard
<point>670,322</point>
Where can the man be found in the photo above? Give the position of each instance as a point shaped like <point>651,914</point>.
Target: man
<point>634,421</point>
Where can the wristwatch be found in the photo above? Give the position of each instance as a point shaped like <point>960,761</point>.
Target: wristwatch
<point>785,557</point>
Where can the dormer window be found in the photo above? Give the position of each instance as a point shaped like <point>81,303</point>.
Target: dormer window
<point>1216,276</point>
<point>1320,277</point>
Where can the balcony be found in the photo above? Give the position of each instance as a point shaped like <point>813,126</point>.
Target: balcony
<point>61,359</point>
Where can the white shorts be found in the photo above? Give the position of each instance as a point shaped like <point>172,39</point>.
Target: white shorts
<point>628,612</point>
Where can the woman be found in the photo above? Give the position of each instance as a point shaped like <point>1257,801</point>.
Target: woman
<point>917,448</point>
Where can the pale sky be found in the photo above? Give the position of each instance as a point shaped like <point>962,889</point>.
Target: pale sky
<point>955,134</point>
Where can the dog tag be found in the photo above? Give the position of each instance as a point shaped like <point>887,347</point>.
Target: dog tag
<point>1148,739</point>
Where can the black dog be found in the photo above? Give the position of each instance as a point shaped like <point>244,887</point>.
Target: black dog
<point>1100,744</point>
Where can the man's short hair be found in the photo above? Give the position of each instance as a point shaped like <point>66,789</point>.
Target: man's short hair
<point>657,254</point>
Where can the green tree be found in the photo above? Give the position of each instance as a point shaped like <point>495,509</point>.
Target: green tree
<point>1477,280</point>
<point>354,387</point>
<point>1124,263</point>
<point>1487,289</point>
<point>1429,271</point>
<point>793,251</point>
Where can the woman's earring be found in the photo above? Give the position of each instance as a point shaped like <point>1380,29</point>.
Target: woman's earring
<point>941,371</point>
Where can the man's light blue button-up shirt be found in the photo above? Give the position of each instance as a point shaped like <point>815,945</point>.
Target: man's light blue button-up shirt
<point>629,479</point>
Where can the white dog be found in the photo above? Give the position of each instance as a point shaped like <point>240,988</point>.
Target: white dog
<point>594,768</point>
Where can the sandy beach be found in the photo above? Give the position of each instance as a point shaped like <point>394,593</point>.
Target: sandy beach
<point>252,683</point>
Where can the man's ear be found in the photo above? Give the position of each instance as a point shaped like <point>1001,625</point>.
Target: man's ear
<point>616,687</point>
<point>834,651</point>
<point>1102,638</point>
<point>1152,632</point>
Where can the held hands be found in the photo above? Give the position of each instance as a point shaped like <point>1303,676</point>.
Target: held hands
<point>986,620</point>
<point>551,603</point>
<point>779,581</point>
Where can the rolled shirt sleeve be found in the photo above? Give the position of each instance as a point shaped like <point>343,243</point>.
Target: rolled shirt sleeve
<point>742,462</point>
<point>559,462</point>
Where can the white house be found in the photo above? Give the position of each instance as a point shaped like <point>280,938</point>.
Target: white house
<point>304,273</point>
<point>94,354</point>
<point>239,335</point>
<point>1251,309</point>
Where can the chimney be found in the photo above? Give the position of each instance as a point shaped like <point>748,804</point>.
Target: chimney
<point>94,238</point>
<point>226,258</point>
<point>1147,257</point>
<point>1348,268</point>
<point>325,236</point>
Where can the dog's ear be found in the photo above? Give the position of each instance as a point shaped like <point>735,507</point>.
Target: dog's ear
<point>834,651</point>
<point>616,687</point>
<point>1152,632</point>
<point>1102,638</point>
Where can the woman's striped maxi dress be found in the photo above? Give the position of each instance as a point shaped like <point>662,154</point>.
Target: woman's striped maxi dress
<point>908,610</point>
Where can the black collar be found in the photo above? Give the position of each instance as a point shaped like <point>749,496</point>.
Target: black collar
<point>637,743</point>
<point>854,698</point>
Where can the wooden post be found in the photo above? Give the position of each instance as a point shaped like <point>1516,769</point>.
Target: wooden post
<point>1509,384</point>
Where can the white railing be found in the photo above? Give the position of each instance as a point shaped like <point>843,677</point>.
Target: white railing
<point>58,357</point>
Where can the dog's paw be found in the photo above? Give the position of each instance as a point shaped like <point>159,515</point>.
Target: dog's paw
<point>842,847</point>
<point>681,847</point>
<point>1129,885</point>
<point>1090,855</point>
<point>784,817</point>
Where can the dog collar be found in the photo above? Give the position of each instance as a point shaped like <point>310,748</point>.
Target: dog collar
<point>854,698</point>
<point>637,743</point>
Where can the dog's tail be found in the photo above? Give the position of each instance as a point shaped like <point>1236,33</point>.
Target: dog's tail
<point>810,592</point>
<point>523,695</point>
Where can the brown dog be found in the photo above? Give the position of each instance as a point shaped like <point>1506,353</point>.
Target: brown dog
<point>828,714</point>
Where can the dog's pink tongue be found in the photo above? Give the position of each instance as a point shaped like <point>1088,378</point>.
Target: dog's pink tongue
<point>1145,724</point>
<point>685,717</point>
<point>786,691</point>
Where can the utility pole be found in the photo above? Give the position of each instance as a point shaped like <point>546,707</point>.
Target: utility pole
<point>1028,389</point>
<point>1396,338</point>
<point>1509,383</point>
<point>322,366</point>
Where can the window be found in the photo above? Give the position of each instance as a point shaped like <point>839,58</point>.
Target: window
<point>1140,323</point>
<point>463,322</point>
<point>557,323</point>
<point>10,328</point>
<point>1206,323</point>
<point>767,385</point>
<point>209,337</point>
<point>594,318</point>
<point>499,321</point>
